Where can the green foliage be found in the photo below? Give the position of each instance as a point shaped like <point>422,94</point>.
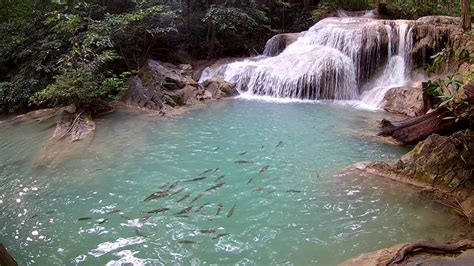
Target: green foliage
<point>230,19</point>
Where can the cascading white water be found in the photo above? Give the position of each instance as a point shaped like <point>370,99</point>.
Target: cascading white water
<point>337,58</point>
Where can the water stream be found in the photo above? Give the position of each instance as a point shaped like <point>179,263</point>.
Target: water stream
<point>301,209</point>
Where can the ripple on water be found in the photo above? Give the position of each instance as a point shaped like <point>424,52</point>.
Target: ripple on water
<point>298,211</point>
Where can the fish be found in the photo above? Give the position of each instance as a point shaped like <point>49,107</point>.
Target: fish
<point>205,172</point>
<point>173,185</point>
<point>146,216</point>
<point>84,218</point>
<point>262,147</point>
<point>257,189</point>
<point>231,212</point>
<point>165,185</point>
<point>220,235</point>
<point>242,161</point>
<point>125,217</point>
<point>156,195</point>
<point>215,170</point>
<point>279,144</point>
<point>49,212</point>
<point>318,176</point>
<point>293,191</point>
<point>34,216</point>
<point>218,185</point>
<point>96,170</point>
<point>183,198</point>
<point>197,197</point>
<point>216,148</point>
<point>114,211</point>
<point>185,210</point>
<point>207,231</point>
<point>219,208</point>
<point>187,241</point>
<point>177,191</point>
<point>250,180</point>
<point>202,206</point>
<point>158,210</point>
<point>219,178</point>
<point>103,221</point>
<point>264,168</point>
<point>271,191</point>
<point>243,153</point>
<point>138,233</point>
<point>183,216</point>
<point>195,179</point>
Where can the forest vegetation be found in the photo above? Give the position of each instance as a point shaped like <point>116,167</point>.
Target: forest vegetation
<point>55,52</point>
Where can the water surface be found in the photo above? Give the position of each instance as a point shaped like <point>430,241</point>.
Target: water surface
<point>300,210</point>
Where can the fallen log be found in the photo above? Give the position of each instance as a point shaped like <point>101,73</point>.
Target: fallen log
<point>440,121</point>
<point>428,247</point>
<point>5,258</point>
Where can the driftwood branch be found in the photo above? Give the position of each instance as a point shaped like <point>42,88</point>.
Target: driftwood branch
<point>428,247</point>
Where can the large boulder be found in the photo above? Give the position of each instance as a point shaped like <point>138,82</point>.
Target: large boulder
<point>276,44</point>
<point>404,100</point>
<point>159,84</point>
<point>219,88</point>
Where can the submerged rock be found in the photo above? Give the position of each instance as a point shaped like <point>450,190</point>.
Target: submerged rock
<point>404,100</point>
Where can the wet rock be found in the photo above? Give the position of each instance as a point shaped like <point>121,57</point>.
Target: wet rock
<point>73,126</point>
<point>467,207</point>
<point>34,116</point>
<point>219,88</point>
<point>432,32</point>
<point>404,100</point>
<point>279,42</point>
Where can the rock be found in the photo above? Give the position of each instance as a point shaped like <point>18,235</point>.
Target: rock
<point>76,126</point>
<point>467,207</point>
<point>158,84</point>
<point>404,100</point>
<point>276,44</point>
<point>35,116</point>
<point>219,88</point>
<point>432,32</point>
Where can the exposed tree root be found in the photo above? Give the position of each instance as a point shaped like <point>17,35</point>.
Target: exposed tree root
<point>428,247</point>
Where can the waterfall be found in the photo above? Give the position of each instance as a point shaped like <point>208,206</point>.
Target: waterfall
<point>342,58</point>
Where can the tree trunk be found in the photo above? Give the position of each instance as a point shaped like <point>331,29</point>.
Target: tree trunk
<point>466,15</point>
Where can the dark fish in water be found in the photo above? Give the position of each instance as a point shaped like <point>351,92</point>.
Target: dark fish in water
<point>205,172</point>
<point>243,153</point>
<point>317,175</point>
<point>250,180</point>
<point>219,178</point>
<point>165,185</point>
<point>34,216</point>
<point>264,168</point>
<point>216,148</point>
<point>156,195</point>
<point>195,179</point>
<point>50,212</point>
<point>279,144</point>
<point>173,185</point>
<point>84,218</point>
<point>183,198</point>
<point>242,161</point>
<point>263,146</point>
<point>219,208</point>
<point>138,233</point>
<point>177,191</point>
<point>216,186</point>
<point>219,236</point>
<point>229,214</point>
<point>207,231</point>
<point>257,189</point>
<point>202,206</point>
<point>114,211</point>
<point>185,210</point>
<point>125,216</point>
<point>271,191</point>
<point>146,216</point>
<point>96,170</point>
<point>158,210</point>
<point>196,198</point>
<point>187,242</point>
<point>183,216</point>
<point>103,221</point>
<point>215,170</point>
<point>293,191</point>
